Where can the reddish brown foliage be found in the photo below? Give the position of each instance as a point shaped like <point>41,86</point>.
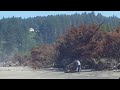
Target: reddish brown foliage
<point>43,56</point>
<point>112,45</point>
<point>87,43</point>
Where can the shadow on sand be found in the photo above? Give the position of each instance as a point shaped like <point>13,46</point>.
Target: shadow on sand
<point>62,70</point>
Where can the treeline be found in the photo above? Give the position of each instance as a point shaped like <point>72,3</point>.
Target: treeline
<point>16,38</point>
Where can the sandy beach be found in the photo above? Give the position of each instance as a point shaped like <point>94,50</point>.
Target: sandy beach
<point>28,73</point>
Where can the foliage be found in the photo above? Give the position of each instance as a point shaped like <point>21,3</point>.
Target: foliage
<point>15,31</point>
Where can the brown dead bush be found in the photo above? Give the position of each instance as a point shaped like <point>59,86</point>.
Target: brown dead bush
<point>88,42</point>
<point>43,56</point>
<point>94,48</point>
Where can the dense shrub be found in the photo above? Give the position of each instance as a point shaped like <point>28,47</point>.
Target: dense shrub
<point>89,44</point>
<point>43,56</point>
<point>94,48</point>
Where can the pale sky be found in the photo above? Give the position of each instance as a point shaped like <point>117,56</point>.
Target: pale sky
<point>26,14</point>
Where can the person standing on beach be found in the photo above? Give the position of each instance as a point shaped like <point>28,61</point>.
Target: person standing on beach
<point>78,69</point>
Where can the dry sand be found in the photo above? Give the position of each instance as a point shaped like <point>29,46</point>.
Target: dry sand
<point>28,73</point>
